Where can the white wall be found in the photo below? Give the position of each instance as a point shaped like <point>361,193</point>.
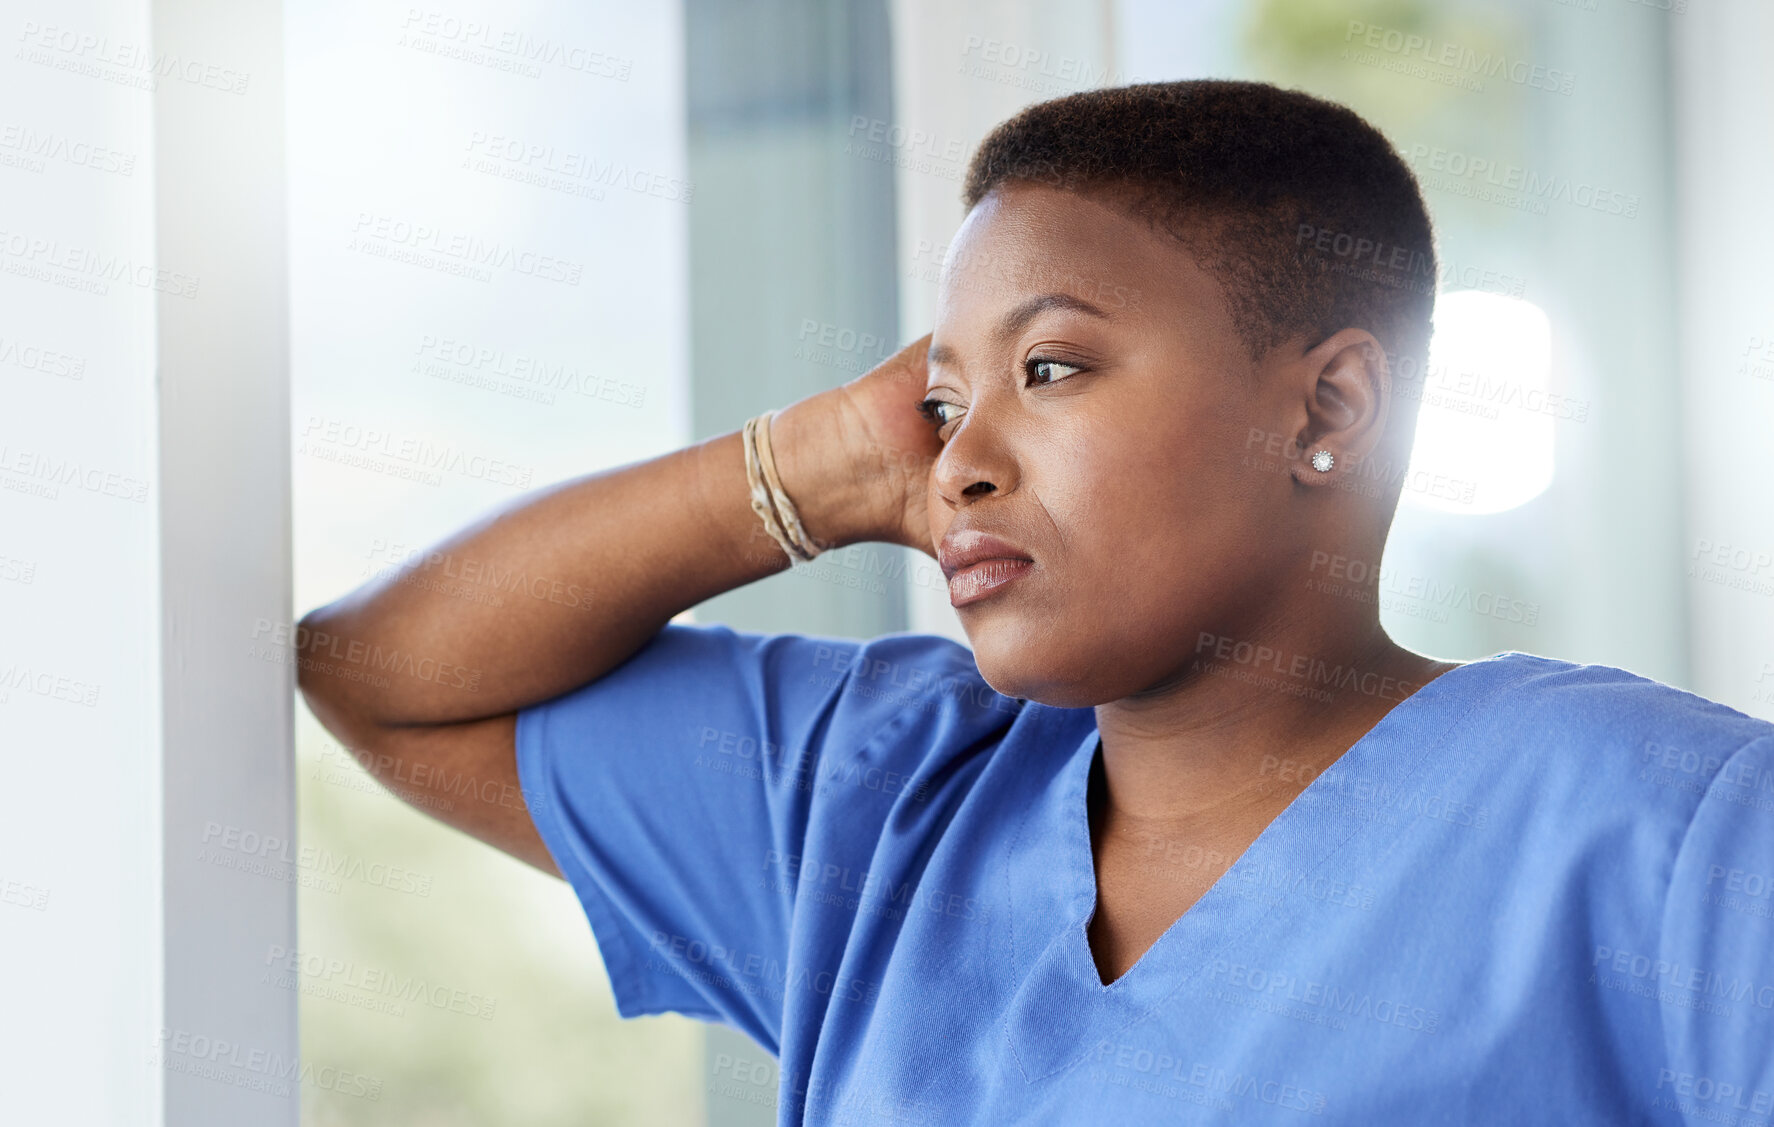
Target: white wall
<point>1724,101</point>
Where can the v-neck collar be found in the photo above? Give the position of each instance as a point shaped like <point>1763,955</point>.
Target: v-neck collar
<point>1061,1009</point>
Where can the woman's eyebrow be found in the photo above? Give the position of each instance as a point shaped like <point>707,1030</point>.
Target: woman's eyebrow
<point>1017,319</point>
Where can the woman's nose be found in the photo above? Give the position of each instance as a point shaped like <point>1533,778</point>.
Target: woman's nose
<point>974,463</point>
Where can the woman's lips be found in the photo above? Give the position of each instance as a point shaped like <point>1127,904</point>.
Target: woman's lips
<point>977,581</point>
<point>977,563</point>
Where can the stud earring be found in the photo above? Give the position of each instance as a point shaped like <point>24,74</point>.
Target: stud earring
<point>1323,460</point>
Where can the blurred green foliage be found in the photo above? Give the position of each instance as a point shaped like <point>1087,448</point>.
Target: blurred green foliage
<point>1317,46</point>
<point>553,1053</point>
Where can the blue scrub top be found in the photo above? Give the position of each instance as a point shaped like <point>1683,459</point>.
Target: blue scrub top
<point>1535,892</point>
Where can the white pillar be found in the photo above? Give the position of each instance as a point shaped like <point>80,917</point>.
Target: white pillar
<point>144,521</point>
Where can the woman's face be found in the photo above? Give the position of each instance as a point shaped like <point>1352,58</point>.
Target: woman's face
<point>1098,408</point>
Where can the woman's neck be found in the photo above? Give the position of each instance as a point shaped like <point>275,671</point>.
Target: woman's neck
<point>1244,727</point>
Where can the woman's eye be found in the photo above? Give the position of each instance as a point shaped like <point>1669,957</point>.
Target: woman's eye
<point>932,409</point>
<point>1049,371</point>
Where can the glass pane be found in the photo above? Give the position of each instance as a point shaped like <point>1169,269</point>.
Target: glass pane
<point>488,226</point>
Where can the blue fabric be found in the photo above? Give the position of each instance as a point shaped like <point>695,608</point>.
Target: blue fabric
<point>1535,892</point>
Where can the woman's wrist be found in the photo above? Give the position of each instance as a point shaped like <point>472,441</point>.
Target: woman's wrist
<point>839,495</point>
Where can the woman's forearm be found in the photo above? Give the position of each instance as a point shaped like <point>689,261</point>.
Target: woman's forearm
<point>565,583</point>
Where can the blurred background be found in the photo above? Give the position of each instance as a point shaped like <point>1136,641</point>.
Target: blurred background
<point>532,239</point>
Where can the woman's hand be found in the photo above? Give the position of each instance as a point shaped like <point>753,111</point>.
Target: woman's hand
<point>898,443</point>
<point>856,459</point>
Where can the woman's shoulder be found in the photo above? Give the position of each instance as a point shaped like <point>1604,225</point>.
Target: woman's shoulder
<point>1605,780</point>
<point>905,699</point>
<point>915,671</point>
<point>1607,732</point>
<point>1593,703</point>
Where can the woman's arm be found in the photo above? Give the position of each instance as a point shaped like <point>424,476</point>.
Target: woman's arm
<point>409,674</point>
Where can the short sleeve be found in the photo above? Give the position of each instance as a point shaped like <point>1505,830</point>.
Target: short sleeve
<point>1715,977</point>
<point>675,794</point>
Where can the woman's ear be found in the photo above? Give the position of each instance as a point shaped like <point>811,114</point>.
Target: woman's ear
<point>1347,394</point>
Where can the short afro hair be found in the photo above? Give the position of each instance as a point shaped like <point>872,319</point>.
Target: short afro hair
<point>1304,212</point>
